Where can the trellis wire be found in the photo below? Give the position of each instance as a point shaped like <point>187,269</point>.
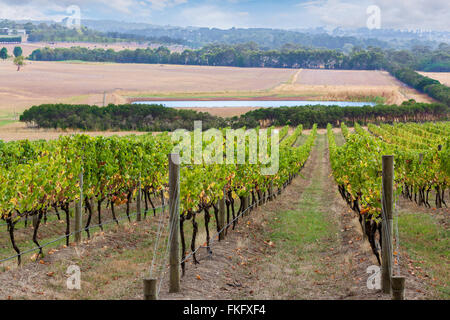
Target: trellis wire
<point>213,239</point>
<point>48,214</point>
<point>157,241</point>
<point>70,234</point>
<point>166,254</point>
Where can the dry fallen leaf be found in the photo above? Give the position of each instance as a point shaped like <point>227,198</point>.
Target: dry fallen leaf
<point>50,274</point>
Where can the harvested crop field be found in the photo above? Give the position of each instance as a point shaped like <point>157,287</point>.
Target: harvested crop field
<point>350,85</point>
<point>345,78</point>
<point>51,82</point>
<point>442,77</point>
<point>97,83</point>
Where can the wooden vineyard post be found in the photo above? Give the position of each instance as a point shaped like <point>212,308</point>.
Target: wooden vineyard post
<point>222,217</point>
<point>138,200</point>
<point>387,222</point>
<point>150,292</point>
<point>398,288</point>
<point>174,213</point>
<point>78,212</point>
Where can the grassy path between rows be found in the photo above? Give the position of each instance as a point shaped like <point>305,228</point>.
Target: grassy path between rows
<point>306,230</point>
<point>315,252</point>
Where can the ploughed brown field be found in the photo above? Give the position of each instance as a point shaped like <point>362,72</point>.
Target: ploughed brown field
<point>442,77</point>
<point>345,78</point>
<point>351,85</point>
<point>52,82</point>
<point>96,83</point>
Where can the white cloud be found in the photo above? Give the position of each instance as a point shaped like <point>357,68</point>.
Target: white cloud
<point>162,4</point>
<point>399,14</point>
<point>29,10</point>
<point>208,16</point>
<point>55,10</point>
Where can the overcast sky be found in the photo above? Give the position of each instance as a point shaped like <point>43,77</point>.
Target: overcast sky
<point>398,14</point>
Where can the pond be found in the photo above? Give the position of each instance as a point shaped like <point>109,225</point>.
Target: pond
<point>252,103</point>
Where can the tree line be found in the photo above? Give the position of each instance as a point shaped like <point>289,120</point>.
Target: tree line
<point>44,32</point>
<point>241,55</point>
<point>116,117</point>
<point>142,117</point>
<point>251,55</point>
<point>83,34</point>
<point>266,38</point>
<point>10,39</point>
<point>422,58</point>
<point>409,111</point>
<point>422,83</point>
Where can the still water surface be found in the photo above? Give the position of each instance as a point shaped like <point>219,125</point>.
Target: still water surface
<point>253,103</point>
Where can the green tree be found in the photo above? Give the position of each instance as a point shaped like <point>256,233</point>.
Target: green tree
<point>19,62</point>
<point>4,53</point>
<point>17,51</point>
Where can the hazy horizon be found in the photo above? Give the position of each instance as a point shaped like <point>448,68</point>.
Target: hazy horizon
<point>286,14</point>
